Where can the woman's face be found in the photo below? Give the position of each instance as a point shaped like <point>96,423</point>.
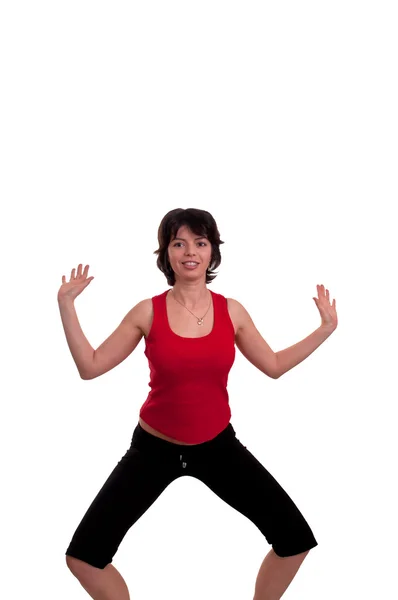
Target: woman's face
<point>187,246</point>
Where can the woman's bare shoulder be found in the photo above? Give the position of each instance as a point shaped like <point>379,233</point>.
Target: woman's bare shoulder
<point>142,314</point>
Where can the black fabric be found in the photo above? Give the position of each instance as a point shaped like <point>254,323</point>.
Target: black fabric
<point>223,464</point>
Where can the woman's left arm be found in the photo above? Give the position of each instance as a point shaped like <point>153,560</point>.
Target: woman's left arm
<point>292,356</point>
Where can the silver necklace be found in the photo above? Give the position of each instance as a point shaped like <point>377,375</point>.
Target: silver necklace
<point>200,321</point>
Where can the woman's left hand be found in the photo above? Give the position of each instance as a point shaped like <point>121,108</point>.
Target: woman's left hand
<point>327,310</point>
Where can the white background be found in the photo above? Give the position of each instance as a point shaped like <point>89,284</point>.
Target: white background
<point>279,118</point>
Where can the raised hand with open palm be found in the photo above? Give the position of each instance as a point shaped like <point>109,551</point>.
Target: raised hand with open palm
<point>327,310</point>
<point>76,284</point>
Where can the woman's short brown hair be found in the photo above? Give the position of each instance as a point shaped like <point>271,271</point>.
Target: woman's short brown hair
<point>200,222</point>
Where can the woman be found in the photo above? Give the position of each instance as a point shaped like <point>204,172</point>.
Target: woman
<point>184,424</point>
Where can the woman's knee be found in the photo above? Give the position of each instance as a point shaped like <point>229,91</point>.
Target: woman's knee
<point>81,569</point>
<point>298,556</point>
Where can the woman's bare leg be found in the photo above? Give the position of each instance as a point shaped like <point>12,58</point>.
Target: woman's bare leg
<point>276,574</point>
<point>101,584</point>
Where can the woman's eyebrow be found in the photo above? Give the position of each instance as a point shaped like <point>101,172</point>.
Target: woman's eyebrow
<point>184,240</point>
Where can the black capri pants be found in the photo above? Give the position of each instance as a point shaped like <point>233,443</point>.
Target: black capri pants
<point>223,464</point>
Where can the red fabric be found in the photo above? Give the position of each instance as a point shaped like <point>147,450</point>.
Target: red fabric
<point>188,400</point>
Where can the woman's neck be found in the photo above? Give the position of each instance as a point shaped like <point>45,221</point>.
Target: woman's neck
<point>191,296</point>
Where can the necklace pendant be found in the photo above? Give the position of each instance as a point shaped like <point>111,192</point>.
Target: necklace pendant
<point>200,322</point>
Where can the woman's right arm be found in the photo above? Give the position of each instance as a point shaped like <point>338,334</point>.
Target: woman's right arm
<point>92,363</point>
<point>81,350</point>
<point>116,348</point>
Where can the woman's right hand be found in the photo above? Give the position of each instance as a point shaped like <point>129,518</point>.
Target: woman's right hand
<point>72,288</point>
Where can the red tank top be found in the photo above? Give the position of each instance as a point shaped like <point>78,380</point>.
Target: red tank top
<point>188,400</point>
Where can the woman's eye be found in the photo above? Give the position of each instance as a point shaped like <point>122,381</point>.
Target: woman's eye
<point>204,243</point>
